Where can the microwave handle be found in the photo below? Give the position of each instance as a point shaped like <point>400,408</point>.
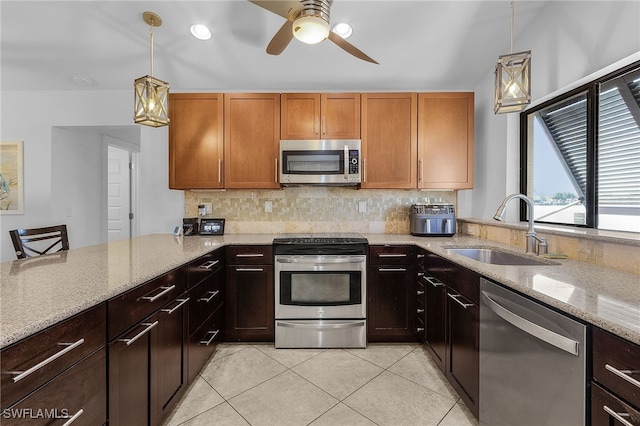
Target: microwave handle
<point>346,162</point>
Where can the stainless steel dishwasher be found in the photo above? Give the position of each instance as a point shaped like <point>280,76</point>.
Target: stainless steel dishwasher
<point>532,362</point>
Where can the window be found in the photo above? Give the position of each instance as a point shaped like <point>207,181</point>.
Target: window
<point>580,156</point>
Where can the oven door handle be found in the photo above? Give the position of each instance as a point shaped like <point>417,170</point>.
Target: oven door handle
<point>321,261</point>
<point>319,326</point>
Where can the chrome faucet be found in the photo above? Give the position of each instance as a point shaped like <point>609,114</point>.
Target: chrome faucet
<point>537,245</point>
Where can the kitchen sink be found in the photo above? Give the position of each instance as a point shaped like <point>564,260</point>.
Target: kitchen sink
<point>496,256</point>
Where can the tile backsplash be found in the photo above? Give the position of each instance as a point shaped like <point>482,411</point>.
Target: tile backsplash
<point>314,209</point>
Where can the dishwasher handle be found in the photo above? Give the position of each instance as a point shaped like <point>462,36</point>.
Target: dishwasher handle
<point>535,330</point>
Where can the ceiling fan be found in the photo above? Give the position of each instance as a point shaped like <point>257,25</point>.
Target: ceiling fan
<point>307,21</point>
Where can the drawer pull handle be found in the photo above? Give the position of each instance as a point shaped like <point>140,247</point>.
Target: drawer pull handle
<point>392,269</point>
<point>419,292</point>
<point>624,374</point>
<point>74,417</point>
<point>420,311</point>
<point>420,256</point>
<point>392,255</point>
<point>617,416</point>
<point>459,302</point>
<point>208,265</point>
<point>249,269</point>
<point>208,299</point>
<point>38,366</point>
<point>148,326</point>
<point>250,255</point>
<point>213,336</point>
<point>170,311</point>
<point>164,291</point>
<point>420,329</point>
<point>434,281</point>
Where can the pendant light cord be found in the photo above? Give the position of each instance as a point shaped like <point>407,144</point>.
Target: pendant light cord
<point>151,47</point>
<point>512,27</point>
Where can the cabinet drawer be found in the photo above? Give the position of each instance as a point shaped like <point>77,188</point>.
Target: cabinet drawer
<point>459,278</point>
<point>136,304</point>
<point>49,352</point>
<point>607,409</point>
<point>249,255</point>
<point>205,298</point>
<point>616,365</point>
<point>391,255</point>
<point>204,266</point>
<point>79,392</point>
<point>203,342</point>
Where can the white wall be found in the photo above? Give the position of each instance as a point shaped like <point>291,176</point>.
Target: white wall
<point>32,117</point>
<point>568,41</point>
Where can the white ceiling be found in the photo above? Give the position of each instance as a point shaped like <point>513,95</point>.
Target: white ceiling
<point>420,45</point>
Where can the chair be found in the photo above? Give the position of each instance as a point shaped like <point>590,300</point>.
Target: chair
<point>37,241</point>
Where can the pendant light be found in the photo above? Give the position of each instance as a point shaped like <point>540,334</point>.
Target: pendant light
<point>150,94</point>
<point>513,79</point>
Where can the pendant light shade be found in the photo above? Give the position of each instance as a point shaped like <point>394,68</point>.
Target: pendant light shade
<point>513,80</point>
<point>151,95</point>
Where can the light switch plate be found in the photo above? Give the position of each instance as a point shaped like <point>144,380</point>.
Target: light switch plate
<point>362,206</point>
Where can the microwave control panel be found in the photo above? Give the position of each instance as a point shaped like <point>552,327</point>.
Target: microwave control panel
<point>354,162</point>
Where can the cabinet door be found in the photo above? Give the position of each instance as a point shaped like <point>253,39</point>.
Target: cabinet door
<point>445,140</point>
<point>300,116</point>
<point>250,303</point>
<point>168,358</point>
<point>251,138</point>
<point>195,141</point>
<point>340,116</point>
<point>463,350</point>
<point>435,318</point>
<point>129,377</point>
<point>391,305</point>
<point>79,392</point>
<point>389,140</point>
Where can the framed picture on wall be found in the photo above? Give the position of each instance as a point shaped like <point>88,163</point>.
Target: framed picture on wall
<point>11,178</point>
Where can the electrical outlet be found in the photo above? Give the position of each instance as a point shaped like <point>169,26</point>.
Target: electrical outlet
<point>362,206</point>
<point>268,207</point>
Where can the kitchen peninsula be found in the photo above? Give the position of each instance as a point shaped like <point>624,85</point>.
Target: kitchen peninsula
<point>39,293</point>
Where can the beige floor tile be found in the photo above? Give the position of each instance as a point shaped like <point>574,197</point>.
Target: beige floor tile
<point>420,368</point>
<point>199,398</point>
<point>384,354</point>
<point>338,372</point>
<point>289,357</point>
<point>392,400</point>
<point>286,399</point>
<point>239,371</point>
<point>222,415</point>
<point>459,416</point>
<point>225,349</point>
<point>341,415</point>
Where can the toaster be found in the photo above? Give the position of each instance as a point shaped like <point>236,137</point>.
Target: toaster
<point>433,220</point>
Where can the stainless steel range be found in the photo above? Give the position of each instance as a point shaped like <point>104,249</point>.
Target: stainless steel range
<point>320,291</point>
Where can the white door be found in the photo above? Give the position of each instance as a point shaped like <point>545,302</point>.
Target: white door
<point>118,194</point>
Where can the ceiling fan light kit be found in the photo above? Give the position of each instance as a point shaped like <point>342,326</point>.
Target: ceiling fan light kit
<point>151,95</point>
<point>512,80</point>
<point>307,21</point>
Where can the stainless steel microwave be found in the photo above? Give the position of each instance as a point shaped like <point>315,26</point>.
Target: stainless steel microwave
<point>320,162</point>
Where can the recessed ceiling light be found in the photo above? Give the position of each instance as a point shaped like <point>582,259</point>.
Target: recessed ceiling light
<point>343,29</point>
<point>200,31</point>
<point>82,80</point>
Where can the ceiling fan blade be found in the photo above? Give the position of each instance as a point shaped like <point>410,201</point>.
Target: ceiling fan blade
<point>348,47</point>
<point>288,9</point>
<point>281,39</point>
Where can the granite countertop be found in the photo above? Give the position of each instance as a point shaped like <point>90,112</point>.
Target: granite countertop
<point>38,292</point>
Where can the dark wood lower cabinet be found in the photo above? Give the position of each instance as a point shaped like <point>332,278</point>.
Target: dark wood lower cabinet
<point>435,319</point>
<point>250,303</point>
<point>79,392</point>
<point>147,367</point>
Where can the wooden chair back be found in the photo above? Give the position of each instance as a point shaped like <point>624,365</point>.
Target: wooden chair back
<point>38,241</point>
